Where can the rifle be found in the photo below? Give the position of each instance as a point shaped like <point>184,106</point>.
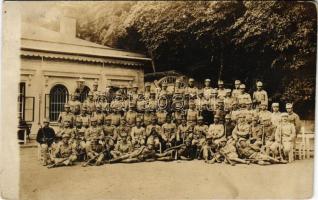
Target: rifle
<point>123,157</point>
<point>226,158</point>
<point>56,164</point>
<point>174,147</point>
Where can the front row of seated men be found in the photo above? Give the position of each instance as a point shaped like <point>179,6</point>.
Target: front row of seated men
<point>99,144</point>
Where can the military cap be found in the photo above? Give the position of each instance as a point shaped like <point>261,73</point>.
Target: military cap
<point>150,142</point>
<point>220,82</point>
<point>138,119</point>
<point>248,101</point>
<point>200,92</point>
<point>124,134</point>
<point>147,84</point>
<point>152,92</point>
<point>65,136</point>
<point>95,83</point>
<point>284,114</point>
<point>46,120</point>
<point>289,105</point>
<point>191,102</point>
<point>164,84</point>
<point>140,92</point>
<point>222,140</point>
<point>237,82</point>
<point>135,85</point>
<point>242,86</point>
<point>217,116</point>
<point>66,105</point>
<point>93,119</point>
<point>275,104</point>
<point>200,118</point>
<point>259,83</point>
<point>214,91</point>
<point>84,107</point>
<point>78,119</point>
<point>234,103</point>
<point>220,101</point>
<point>99,106</point>
<point>227,116</point>
<point>67,119</point>
<point>122,119</point>
<point>121,87</point>
<point>90,93</point>
<point>207,80</point>
<point>241,115</point>
<point>154,118</point>
<point>132,105</point>
<point>178,81</point>
<point>255,118</point>
<point>228,90</point>
<point>191,80</point>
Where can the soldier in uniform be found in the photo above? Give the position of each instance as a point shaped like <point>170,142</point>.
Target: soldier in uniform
<point>64,154</point>
<point>208,148</point>
<point>141,102</point>
<point>191,90</point>
<point>199,102</point>
<point>45,137</point>
<point>79,139</point>
<point>123,128</point>
<point>221,90</point>
<point>118,103</point>
<point>131,115</point>
<point>122,147</point>
<point>67,114</point>
<point>115,117</point>
<point>192,114</point>
<point>275,116</point>
<point>84,116</point>
<point>293,117</point>
<point>243,96</point>
<point>228,101</point>
<point>110,134</point>
<point>216,130</point>
<point>242,128</point>
<point>182,131</point>
<point>207,90</point>
<point>147,90</point>
<point>90,103</point>
<point>138,134</point>
<point>220,110</point>
<point>252,152</point>
<point>152,103</point>
<point>153,133</point>
<point>178,89</point>
<point>99,115</point>
<point>163,91</point>
<point>284,137</point>
<point>134,93</point>
<point>198,136</point>
<point>95,91</point>
<point>228,126</point>
<point>168,132</point>
<point>95,152</point>
<point>256,132</point>
<point>177,116</point>
<point>263,112</point>
<point>75,104</point>
<point>93,132</point>
<point>161,116</point>
<point>236,91</point>
<point>260,95</point>
<point>147,117</point>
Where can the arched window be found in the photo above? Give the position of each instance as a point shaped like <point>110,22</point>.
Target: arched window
<point>58,97</point>
<point>84,93</point>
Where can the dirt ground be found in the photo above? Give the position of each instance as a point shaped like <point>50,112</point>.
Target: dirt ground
<point>164,180</point>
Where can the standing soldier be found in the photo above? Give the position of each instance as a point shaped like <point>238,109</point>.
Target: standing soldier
<point>115,117</point>
<point>138,134</point>
<point>236,91</point>
<point>191,90</point>
<point>177,116</point>
<point>220,110</point>
<point>147,117</point>
<point>95,91</point>
<point>221,90</point>
<point>45,137</point>
<point>260,95</point>
<point>285,135</point>
<point>192,114</point>
<point>276,115</point>
<point>228,101</point>
<point>243,96</point>
<point>141,102</point>
<point>134,93</point>
<point>67,114</point>
<point>93,132</point>
<point>66,130</point>
<point>257,132</point>
<point>84,116</point>
<point>122,147</point>
<point>198,136</point>
<point>64,154</point>
<point>79,139</point>
<point>293,117</point>
<point>178,89</point>
<point>147,90</point>
<point>216,130</point>
<point>90,103</point>
<point>163,91</point>
<point>152,103</point>
<point>169,130</point>
<point>207,90</point>
<point>268,136</point>
<point>199,102</point>
<point>123,128</point>
<point>95,152</point>
<point>75,104</point>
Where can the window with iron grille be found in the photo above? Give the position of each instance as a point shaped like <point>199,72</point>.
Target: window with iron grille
<point>84,94</point>
<point>21,100</point>
<point>56,99</point>
<point>25,105</point>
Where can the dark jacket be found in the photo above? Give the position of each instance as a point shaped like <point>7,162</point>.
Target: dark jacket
<point>45,135</point>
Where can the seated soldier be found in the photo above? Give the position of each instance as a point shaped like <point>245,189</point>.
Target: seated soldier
<point>208,148</point>
<point>242,128</point>
<point>216,130</point>
<point>153,133</point>
<point>198,136</point>
<point>252,153</point>
<point>79,142</point>
<point>168,132</point>
<point>122,147</point>
<point>182,131</point>
<point>95,151</point>
<point>64,154</point>
<point>138,134</point>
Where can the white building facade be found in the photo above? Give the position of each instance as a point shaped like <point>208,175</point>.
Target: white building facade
<point>52,62</point>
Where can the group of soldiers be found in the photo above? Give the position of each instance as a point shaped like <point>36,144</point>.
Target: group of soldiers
<point>176,123</point>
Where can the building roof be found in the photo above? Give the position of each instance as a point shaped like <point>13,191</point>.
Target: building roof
<point>39,39</point>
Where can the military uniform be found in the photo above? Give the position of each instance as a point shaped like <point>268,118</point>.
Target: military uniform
<point>161,115</point>
<point>199,133</point>
<point>216,131</point>
<point>131,117</point>
<point>138,135</point>
<point>64,153</point>
<point>168,133</point>
<point>260,95</point>
<point>242,130</point>
<point>115,119</point>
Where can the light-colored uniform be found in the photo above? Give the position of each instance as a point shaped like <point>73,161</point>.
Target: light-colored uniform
<point>216,131</point>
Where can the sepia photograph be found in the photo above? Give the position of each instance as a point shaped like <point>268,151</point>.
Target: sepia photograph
<point>158,100</point>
